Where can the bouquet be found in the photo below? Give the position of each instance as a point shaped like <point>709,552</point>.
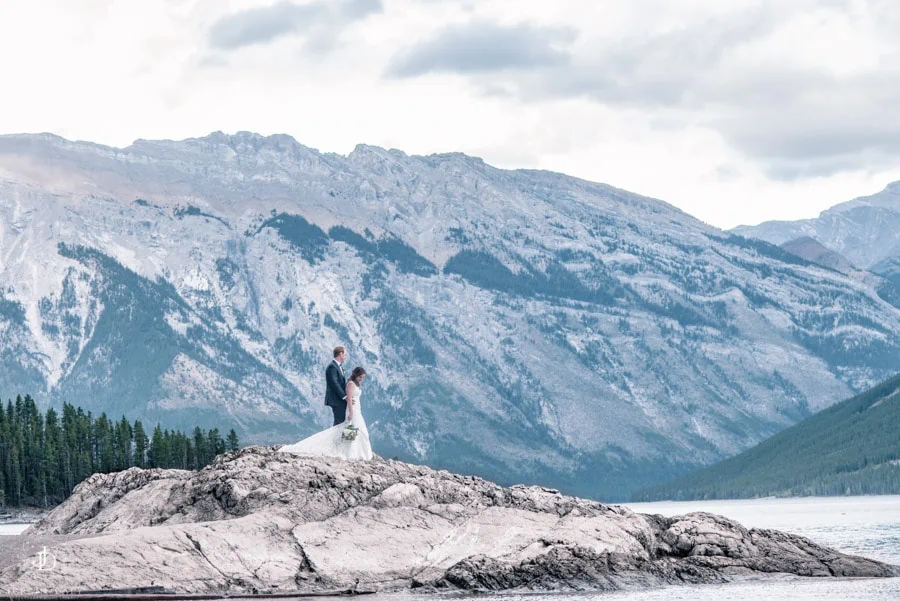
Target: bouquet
<point>350,432</point>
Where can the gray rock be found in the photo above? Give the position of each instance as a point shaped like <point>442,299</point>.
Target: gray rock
<point>257,520</point>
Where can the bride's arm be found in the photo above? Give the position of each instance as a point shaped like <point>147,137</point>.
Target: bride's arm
<point>350,399</point>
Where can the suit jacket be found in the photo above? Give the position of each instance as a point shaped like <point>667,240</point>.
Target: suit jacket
<point>335,386</point>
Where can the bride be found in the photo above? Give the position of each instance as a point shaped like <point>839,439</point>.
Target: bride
<point>330,442</point>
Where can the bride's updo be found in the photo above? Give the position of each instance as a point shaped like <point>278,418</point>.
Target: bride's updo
<point>356,374</point>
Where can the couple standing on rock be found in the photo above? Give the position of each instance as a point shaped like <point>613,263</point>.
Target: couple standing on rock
<point>342,395</point>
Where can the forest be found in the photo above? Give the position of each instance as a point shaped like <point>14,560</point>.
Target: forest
<point>45,455</point>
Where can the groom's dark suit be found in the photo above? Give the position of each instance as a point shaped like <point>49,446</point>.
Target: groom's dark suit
<point>336,391</point>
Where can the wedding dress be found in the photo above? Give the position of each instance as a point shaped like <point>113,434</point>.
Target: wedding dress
<point>330,442</point>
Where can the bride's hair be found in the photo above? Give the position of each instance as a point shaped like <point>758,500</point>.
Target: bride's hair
<point>356,373</point>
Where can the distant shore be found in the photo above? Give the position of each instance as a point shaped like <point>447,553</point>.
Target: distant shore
<point>22,515</point>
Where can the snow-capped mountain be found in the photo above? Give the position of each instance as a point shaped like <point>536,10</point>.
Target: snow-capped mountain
<point>523,325</point>
<point>865,230</point>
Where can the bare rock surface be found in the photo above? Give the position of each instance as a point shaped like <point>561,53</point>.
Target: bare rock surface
<point>257,520</point>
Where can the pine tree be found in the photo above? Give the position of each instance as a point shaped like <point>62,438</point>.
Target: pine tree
<point>125,438</point>
<point>140,444</point>
<point>233,443</point>
<point>155,456</point>
<point>216,443</point>
<point>44,456</point>
<point>201,454</point>
<point>53,464</point>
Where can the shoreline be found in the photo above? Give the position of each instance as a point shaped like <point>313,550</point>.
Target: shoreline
<point>796,499</point>
<point>767,498</point>
<point>22,516</point>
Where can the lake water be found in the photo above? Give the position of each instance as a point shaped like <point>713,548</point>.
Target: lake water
<point>12,528</point>
<point>867,526</point>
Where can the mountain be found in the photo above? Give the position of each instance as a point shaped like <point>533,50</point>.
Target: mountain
<point>849,448</point>
<point>521,325</point>
<point>814,252</point>
<point>865,230</point>
<point>884,284</point>
<point>889,269</point>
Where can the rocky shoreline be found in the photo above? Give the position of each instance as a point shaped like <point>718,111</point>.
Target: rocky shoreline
<point>260,521</point>
<point>19,515</point>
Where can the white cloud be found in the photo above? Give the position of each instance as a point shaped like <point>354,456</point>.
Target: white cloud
<point>736,112</point>
<point>324,19</point>
<point>483,47</point>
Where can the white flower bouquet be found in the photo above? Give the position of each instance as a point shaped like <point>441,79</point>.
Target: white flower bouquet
<point>350,432</point>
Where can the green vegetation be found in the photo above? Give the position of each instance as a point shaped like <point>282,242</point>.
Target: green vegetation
<point>390,248</point>
<point>397,320</point>
<point>309,239</point>
<point>405,257</point>
<point>362,244</point>
<point>764,249</point>
<point>192,211</point>
<point>852,448</point>
<point>487,271</point>
<point>43,457</point>
<point>11,310</point>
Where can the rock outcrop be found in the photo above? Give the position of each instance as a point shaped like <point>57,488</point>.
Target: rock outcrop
<point>258,520</point>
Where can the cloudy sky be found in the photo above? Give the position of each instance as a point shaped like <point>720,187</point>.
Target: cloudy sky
<point>736,111</point>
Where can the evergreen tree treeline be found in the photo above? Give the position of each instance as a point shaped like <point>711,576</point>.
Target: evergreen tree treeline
<point>44,456</point>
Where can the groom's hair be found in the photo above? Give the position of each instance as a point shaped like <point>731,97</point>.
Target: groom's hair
<point>338,350</point>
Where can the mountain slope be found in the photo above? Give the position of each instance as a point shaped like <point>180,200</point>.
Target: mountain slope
<point>850,448</point>
<point>814,252</point>
<point>865,230</point>
<point>521,325</point>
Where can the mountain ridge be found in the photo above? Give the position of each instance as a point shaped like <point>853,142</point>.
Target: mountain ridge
<point>815,252</point>
<point>482,301</point>
<point>864,229</point>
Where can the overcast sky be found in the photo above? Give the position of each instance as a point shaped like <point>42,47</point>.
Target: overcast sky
<point>737,111</point>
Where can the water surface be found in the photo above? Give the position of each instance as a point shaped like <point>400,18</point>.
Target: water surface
<point>10,529</point>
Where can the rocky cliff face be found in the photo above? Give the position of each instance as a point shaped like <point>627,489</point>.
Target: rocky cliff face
<point>520,325</point>
<point>258,520</point>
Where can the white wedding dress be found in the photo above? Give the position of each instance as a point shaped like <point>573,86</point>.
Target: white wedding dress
<point>330,442</point>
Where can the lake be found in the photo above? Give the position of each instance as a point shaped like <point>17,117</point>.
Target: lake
<point>8,529</point>
<point>868,526</point>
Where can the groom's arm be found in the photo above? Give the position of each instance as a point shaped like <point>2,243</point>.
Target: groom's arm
<point>333,383</point>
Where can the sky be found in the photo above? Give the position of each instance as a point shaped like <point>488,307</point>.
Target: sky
<point>736,111</point>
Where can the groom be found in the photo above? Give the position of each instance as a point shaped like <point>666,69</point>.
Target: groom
<point>336,386</point>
